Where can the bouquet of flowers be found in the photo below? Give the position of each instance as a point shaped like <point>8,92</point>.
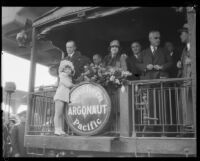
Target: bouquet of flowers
<point>106,76</point>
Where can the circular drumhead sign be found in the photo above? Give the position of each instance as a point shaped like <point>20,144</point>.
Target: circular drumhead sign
<point>89,110</point>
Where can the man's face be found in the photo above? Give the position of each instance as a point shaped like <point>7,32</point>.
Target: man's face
<point>70,48</point>
<point>154,39</point>
<point>136,48</point>
<point>96,59</point>
<point>169,46</point>
<point>184,37</point>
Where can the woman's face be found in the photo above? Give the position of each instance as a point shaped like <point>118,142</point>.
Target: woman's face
<point>68,70</point>
<point>114,49</point>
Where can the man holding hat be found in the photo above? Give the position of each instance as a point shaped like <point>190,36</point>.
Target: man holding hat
<point>185,71</point>
<point>185,63</point>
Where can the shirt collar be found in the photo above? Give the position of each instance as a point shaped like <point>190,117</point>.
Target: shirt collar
<point>136,55</point>
<point>188,46</point>
<point>152,48</point>
<point>71,55</point>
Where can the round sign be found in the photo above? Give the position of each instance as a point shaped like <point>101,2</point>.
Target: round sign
<point>89,109</point>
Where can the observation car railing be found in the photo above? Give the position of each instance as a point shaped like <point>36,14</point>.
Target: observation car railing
<point>161,107</point>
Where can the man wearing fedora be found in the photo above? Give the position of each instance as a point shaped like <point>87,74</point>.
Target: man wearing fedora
<point>185,71</point>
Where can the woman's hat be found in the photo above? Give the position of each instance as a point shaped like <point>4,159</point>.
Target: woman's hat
<point>114,43</point>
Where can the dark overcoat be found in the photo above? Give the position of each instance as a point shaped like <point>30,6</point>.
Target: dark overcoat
<point>131,67</point>
<point>79,61</point>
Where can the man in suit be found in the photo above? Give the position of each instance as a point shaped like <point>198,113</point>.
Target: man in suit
<point>132,60</point>
<point>185,71</point>
<point>173,71</point>
<point>154,64</point>
<point>155,61</point>
<point>175,55</point>
<point>78,60</point>
<point>17,136</point>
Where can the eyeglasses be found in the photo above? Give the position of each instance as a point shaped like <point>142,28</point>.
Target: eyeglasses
<point>114,46</point>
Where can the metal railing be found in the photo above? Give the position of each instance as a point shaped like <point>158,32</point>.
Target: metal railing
<point>163,107</point>
<point>42,114</point>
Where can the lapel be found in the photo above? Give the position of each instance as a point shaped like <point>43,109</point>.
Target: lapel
<point>157,55</point>
<point>135,59</point>
<point>150,55</point>
<point>75,56</point>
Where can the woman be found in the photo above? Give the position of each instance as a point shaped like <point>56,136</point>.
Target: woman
<point>114,58</point>
<point>133,60</point>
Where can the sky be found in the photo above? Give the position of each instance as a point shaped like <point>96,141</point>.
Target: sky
<point>15,69</point>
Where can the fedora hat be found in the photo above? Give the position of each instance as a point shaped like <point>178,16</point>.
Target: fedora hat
<point>185,28</point>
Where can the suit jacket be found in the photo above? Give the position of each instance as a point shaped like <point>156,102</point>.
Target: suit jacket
<point>186,70</point>
<point>173,71</point>
<point>79,61</point>
<point>17,136</point>
<point>161,57</point>
<point>131,67</point>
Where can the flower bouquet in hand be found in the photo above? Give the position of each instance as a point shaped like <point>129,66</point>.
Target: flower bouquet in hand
<point>112,77</point>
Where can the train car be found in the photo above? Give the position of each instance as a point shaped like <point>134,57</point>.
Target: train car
<point>89,119</point>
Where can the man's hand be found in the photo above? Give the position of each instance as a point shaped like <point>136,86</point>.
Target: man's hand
<point>158,67</point>
<point>149,66</point>
<point>179,64</point>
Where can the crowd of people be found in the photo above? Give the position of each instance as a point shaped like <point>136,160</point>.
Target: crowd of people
<point>155,62</point>
<point>13,135</point>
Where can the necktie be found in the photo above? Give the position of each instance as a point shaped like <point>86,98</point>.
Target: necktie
<point>154,50</point>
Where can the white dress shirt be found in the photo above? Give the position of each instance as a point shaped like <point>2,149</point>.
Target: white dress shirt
<point>153,48</point>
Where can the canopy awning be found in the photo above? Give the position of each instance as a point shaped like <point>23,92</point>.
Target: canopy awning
<point>68,15</point>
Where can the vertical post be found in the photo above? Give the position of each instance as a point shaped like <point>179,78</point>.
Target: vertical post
<point>31,78</point>
<point>133,110</point>
<point>191,17</point>
<point>124,112</point>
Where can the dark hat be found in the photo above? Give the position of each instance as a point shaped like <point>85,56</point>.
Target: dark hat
<point>185,28</point>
